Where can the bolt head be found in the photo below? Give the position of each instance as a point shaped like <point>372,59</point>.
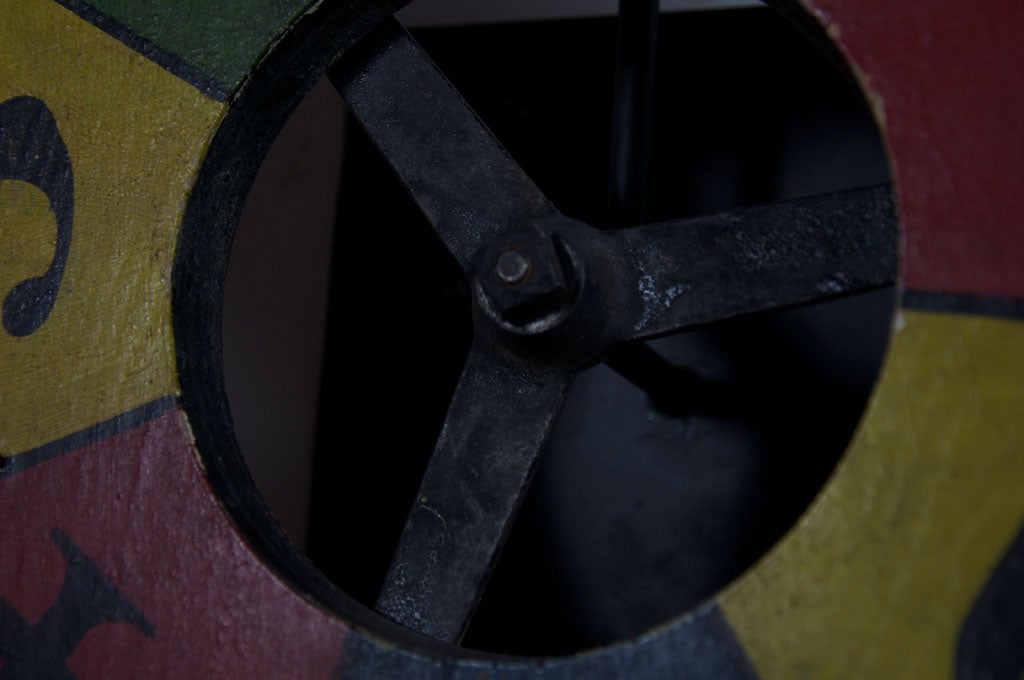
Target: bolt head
<point>513,267</point>
<point>524,278</point>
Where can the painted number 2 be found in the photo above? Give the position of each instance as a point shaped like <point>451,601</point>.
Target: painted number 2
<point>32,150</point>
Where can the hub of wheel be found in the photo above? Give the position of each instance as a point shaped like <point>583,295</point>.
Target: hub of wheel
<point>527,280</point>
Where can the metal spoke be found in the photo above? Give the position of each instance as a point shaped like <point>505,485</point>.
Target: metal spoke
<point>632,112</point>
<point>545,285</point>
<point>461,177</point>
<point>477,477</point>
<point>692,272</point>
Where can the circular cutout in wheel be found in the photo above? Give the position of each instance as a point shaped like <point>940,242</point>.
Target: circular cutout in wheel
<point>883,575</point>
<point>640,509</point>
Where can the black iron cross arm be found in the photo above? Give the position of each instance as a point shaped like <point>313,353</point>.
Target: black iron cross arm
<point>481,467</point>
<point>462,178</point>
<point>697,271</point>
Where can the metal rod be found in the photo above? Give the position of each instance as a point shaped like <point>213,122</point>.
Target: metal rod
<point>629,161</point>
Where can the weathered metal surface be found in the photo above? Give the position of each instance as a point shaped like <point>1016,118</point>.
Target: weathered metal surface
<point>890,574</point>
<point>635,283</point>
<point>464,181</point>
<point>706,269</point>
<point>482,465</point>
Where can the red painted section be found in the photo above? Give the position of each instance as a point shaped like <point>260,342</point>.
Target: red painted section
<point>949,74</point>
<point>138,505</point>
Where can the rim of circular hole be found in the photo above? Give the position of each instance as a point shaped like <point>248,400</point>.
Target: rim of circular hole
<point>234,157</point>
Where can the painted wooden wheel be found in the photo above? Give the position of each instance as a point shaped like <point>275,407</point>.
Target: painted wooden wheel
<point>132,542</point>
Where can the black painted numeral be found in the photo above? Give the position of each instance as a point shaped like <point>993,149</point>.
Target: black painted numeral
<point>991,645</point>
<point>86,600</point>
<point>32,150</point>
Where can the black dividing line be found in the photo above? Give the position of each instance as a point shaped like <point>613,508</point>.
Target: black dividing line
<point>991,645</point>
<point>700,646</point>
<point>1001,306</point>
<point>90,435</point>
<point>166,60</point>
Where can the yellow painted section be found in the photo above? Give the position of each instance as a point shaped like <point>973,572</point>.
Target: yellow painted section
<point>28,231</point>
<point>136,135</point>
<point>877,579</point>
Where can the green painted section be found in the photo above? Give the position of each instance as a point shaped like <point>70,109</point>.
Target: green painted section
<point>223,38</point>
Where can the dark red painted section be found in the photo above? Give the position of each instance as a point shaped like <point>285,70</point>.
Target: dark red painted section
<point>138,506</point>
<point>950,76</point>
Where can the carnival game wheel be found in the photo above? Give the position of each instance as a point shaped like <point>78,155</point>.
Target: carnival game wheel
<point>133,543</point>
